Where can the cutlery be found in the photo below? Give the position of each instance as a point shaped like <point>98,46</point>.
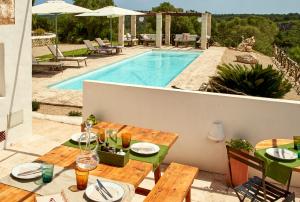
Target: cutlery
<point>104,189</point>
<point>30,172</point>
<point>100,191</point>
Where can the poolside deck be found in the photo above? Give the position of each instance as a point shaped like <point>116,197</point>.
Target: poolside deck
<point>205,66</point>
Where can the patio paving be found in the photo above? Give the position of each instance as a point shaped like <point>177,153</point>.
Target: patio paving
<point>48,134</point>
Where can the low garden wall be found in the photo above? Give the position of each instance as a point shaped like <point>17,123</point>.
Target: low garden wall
<point>191,115</point>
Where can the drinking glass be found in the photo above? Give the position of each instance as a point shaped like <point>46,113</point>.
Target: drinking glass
<point>296,142</point>
<point>101,135</point>
<point>47,172</point>
<point>82,177</point>
<point>112,135</point>
<point>126,139</point>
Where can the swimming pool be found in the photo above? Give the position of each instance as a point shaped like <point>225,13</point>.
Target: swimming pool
<point>153,68</point>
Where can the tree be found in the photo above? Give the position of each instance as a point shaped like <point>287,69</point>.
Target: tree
<point>94,4</point>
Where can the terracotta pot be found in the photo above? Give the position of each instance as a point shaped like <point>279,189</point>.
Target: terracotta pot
<point>239,172</point>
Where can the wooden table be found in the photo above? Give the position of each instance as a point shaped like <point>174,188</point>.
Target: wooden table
<point>275,143</point>
<point>134,172</point>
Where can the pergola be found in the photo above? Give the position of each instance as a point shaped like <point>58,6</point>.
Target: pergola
<point>205,26</point>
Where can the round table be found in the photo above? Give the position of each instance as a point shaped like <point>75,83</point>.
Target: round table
<point>274,143</point>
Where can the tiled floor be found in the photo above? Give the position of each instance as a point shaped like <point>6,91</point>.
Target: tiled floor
<point>208,187</point>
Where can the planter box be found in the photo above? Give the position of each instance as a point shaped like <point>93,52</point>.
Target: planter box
<point>112,158</point>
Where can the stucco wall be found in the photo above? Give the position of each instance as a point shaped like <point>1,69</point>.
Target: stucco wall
<point>17,70</point>
<point>190,114</point>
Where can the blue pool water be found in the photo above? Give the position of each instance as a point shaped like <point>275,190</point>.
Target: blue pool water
<point>154,68</point>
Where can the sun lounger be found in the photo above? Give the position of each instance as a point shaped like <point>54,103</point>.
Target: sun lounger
<point>99,50</point>
<point>130,40</point>
<point>61,57</point>
<point>54,66</point>
<point>102,44</point>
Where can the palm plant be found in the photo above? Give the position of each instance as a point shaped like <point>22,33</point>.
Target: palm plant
<point>254,80</point>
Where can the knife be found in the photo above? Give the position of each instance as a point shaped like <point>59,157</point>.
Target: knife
<point>103,188</point>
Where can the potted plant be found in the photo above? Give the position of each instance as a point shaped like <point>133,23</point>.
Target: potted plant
<point>239,170</point>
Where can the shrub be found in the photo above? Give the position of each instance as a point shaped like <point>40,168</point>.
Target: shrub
<point>75,113</point>
<point>240,144</point>
<point>39,32</point>
<point>254,80</point>
<point>35,105</point>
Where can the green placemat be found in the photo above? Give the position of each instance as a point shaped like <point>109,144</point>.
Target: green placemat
<point>155,160</point>
<point>276,169</point>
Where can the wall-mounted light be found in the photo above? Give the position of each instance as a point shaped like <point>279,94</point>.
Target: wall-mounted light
<point>216,132</point>
<point>141,19</point>
<point>199,19</point>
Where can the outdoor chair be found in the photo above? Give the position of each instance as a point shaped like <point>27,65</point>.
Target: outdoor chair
<point>256,188</point>
<point>130,40</point>
<point>99,50</point>
<point>61,57</point>
<point>101,43</point>
<point>52,66</point>
<point>148,38</point>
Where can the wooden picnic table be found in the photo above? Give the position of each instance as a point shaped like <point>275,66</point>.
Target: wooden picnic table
<point>134,172</point>
<point>275,143</point>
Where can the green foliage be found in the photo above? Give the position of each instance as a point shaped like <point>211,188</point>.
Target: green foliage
<point>39,32</point>
<point>74,113</point>
<point>35,105</point>
<point>229,31</point>
<point>240,144</point>
<point>294,53</point>
<point>92,118</point>
<point>254,80</point>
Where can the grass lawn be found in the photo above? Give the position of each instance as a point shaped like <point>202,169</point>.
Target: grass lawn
<point>78,52</point>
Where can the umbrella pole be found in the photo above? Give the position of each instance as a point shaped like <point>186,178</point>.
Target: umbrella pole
<point>56,39</point>
<point>110,21</point>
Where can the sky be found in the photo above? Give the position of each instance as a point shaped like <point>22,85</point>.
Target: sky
<point>217,6</point>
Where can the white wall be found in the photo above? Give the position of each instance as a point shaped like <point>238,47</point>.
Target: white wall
<point>17,70</point>
<point>190,114</point>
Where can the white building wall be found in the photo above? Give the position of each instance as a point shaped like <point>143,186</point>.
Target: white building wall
<point>190,114</point>
<point>16,39</point>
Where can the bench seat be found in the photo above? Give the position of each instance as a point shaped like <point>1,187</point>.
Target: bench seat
<point>174,185</point>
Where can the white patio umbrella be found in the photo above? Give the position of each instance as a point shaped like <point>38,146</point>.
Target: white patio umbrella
<point>56,7</point>
<point>111,12</point>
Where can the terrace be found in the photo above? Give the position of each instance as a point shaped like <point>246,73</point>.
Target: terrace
<point>186,121</point>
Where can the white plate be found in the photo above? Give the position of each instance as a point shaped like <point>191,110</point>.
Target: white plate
<point>75,137</point>
<point>114,189</point>
<point>283,154</point>
<point>21,168</point>
<point>145,148</point>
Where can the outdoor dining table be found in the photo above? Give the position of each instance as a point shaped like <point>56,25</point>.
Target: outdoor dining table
<point>278,166</point>
<point>134,172</point>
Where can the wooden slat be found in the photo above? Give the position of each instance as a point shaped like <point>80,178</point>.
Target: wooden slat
<point>12,194</point>
<point>174,185</point>
<point>275,143</point>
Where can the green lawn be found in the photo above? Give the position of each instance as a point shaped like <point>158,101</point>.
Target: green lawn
<point>78,52</point>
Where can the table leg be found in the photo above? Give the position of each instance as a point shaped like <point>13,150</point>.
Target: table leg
<point>142,191</point>
<point>188,196</point>
<point>157,174</point>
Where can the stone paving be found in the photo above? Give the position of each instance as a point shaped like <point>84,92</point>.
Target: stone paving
<point>191,78</point>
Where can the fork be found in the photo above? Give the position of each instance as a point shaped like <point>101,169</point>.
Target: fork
<point>100,191</point>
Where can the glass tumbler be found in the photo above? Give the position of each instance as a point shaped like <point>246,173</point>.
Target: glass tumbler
<point>47,172</point>
<point>82,177</point>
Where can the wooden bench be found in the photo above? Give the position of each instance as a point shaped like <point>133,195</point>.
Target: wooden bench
<point>174,185</point>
